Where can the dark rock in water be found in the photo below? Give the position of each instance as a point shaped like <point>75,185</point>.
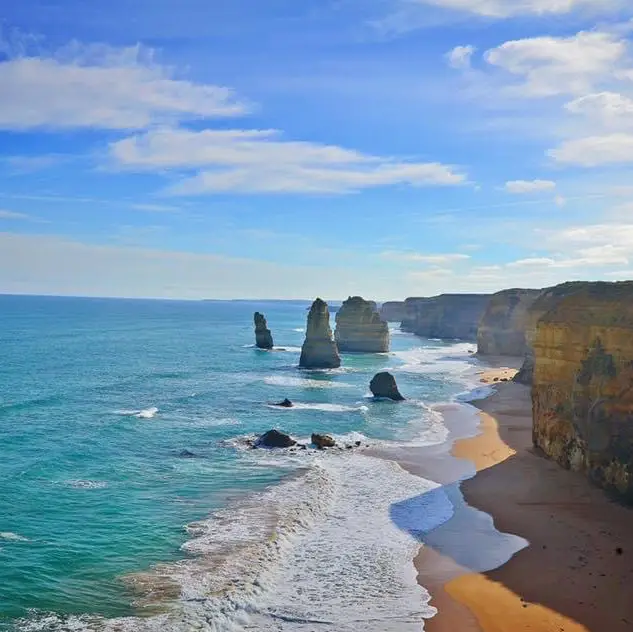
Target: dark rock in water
<point>357,444</point>
<point>319,350</point>
<point>263,337</point>
<point>186,454</point>
<point>384,385</point>
<point>274,439</point>
<point>286,403</point>
<point>323,441</point>
<point>349,447</point>
<point>303,447</point>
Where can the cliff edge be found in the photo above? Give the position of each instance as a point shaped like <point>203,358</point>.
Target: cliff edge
<point>445,316</point>
<point>582,391</point>
<point>502,329</point>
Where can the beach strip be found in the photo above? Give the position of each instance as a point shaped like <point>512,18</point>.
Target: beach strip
<point>576,570</point>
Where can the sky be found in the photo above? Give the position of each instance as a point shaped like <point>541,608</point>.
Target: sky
<point>294,148</point>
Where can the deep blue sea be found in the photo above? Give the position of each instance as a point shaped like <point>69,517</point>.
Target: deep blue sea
<point>105,525</point>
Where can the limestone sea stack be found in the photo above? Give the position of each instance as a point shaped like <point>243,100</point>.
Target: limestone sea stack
<point>384,385</point>
<point>392,311</point>
<point>582,391</point>
<point>263,336</point>
<point>359,327</point>
<point>319,350</point>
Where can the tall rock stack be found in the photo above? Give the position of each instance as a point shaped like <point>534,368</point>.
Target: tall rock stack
<point>263,337</point>
<point>319,350</point>
<point>359,327</point>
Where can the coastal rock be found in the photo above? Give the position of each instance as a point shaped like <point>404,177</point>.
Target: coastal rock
<point>274,439</point>
<point>545,301</point>
<point>359,327</point>
<point>286,403</point>
<point>319,351</point>
<point>446,316</point>
<point>392,311</point>
<point>582,392</point>
<point>384,385</point>
<point>323,441</point>
<point>502,329</point>
<point>263,336</point>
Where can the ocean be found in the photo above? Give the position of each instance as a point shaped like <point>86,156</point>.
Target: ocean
<point>130,500</point>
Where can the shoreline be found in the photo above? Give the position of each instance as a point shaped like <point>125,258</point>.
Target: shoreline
<point>547,561</point>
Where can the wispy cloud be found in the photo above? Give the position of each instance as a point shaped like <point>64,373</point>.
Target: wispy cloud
<point>11,215</point>
<point>261,161</point>
<point>434,259</point>
<point>529,186</point>
<point>103,87</point>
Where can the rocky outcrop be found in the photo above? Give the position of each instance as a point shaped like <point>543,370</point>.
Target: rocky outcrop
<point>392,311</point>
<point>359,327</point>
<point>502,329</point>
<point>546,300</point>
<point>384,385</point>
<point>582,390</point>
<point>274,439</point>
<point>321,441</point>
<point>263,337</point>
<point>319,350</point>
<point>286,403</point>
<point>445,316</point>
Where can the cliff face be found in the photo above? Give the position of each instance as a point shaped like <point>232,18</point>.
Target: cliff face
<point>445,316</point>
<point>359,327</point>
<point>393,311</point>
<point>546,301</point>
<point>582,390</point>
<point>263,337</point>
<point>502,330</point>
<point>319,351</point>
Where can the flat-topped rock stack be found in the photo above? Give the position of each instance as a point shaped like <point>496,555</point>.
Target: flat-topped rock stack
<point>359,327</point>
<point>319,350</point>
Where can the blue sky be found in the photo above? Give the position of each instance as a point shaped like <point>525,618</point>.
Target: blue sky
<point>289,149</point>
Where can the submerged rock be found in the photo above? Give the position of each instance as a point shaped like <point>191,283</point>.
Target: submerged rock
<point>274,439</point>
<point>384,385</point>
<point>323,441</point>
<point>286,403</point>
<point>186,454</point>
<point>263,336</point>
<point>359,327</point>
<point>319,350</point>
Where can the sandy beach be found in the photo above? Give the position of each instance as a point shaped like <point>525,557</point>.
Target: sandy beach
<point>574,569</point>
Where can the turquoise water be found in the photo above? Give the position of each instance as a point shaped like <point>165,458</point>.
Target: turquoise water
<point>99,397</point>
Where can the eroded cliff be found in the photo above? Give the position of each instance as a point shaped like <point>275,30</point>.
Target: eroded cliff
<point>359,327</point>
<point>502,329</point>
<point>445,316</point>
<point>393,311</point>
<point>582,390</point>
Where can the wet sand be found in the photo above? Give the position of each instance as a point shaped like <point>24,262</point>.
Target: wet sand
<point>574,569</point>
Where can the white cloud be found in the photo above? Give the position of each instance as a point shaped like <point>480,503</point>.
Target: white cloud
<point>103,87</point>
<point>591,151</point>
<point>460,57</point>
<point>13,216</point>
<point>608,107</point>
<point>510,8</point>
<point>549,66</point>
<point>259,161</point>
<point>560,201</point>
<point>529,186</point>
<point>435,259</point>
<point>155,208</point>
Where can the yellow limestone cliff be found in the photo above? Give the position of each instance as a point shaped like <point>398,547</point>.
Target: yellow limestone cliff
<point>582,390</point>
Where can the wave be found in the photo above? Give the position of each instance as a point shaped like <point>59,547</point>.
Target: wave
<point>330,408</point>
<point>12,537</point>
<point>145,413</point>
<point>278,380</point>
<point>331,548</point>
<point>86,484</point>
